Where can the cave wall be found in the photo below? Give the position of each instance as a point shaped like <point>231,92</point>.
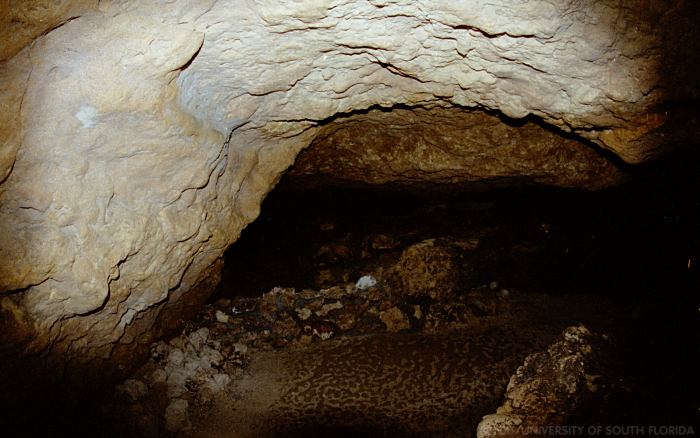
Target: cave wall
<point>137,139</point>
<point>430,149</point>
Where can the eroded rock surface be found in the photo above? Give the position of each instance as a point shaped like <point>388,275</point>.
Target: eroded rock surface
<point>21,21</point>
<point>422,148</point>
<point>138,139</point>
<point>550,387</point>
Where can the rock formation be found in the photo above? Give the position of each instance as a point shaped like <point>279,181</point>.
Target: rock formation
<point>421,148</point>
<point>550,387</point>
<point>137,139</point>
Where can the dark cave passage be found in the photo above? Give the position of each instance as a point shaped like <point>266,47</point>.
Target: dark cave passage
<point>529,262</point>
<point>630,254</point>
<point>636,239</point>
<point>469,218</point>
<point>525,264</point>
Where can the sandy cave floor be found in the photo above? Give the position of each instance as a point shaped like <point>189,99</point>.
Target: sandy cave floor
<point>439,379</point>
<point>383,384</point>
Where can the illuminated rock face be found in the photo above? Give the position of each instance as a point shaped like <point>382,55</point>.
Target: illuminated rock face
<point>137,139</point>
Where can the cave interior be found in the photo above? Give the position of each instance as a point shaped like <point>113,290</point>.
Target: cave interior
<point>284,220</point>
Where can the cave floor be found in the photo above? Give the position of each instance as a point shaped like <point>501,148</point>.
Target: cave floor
<point>430,379</point>
<point>391,384</point>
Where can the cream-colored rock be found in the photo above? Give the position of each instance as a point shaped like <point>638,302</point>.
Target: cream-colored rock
<point>138,139</point>
<point>23,20</point>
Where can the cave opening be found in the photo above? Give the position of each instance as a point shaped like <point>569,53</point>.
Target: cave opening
<point>466,286</point>
<point>622,261</point>
<point>405,308</point>
<point>482,218</point>
<point>393,295</point>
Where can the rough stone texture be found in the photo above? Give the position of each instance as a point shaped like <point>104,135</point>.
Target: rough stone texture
<point>549,388</point>
<point>428,269</point>
<point>21,21</point>
<point>137,140</point>
<point>425,147</point>
<point>394,320</point>
<point>176,417</point>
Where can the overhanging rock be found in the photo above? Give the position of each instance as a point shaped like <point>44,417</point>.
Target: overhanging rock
<point>137,139</point>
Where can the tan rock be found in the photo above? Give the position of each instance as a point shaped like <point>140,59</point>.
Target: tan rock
<point>550,387</point>
<point>394,320</point>
<point>428,269</point>
<point>327,308</point>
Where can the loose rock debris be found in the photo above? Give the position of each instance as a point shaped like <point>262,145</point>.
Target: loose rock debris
<point>186,373</point>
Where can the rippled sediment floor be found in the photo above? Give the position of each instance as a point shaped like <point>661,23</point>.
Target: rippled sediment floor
<point>378,385</point>
<point>389,384</point>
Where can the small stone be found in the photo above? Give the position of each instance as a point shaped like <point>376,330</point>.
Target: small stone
<point>211,356</point>
<point>496,425</point>
<point>193,364</point>
<point>268,306</point>
<point>306,340</point>
<point>217,382</point>
<point>334,293</point>
<point>198,338</point>
<point>346,321</point>
<point>366,282</point>
<point>321,329</point>
<point>223,303</point>
<point>324,335</point>
<point>308,294</point>
<point>240,348</point>
<point>328,308</point>
<point>493,285</point>
<point>159,350</point>
<point>286,326</point>
<point>503,293</point>
<point>176,357</point>
<point>135,389</point>
<point>176,416</point>
<point>372,312</point>
<point>417,312</point>
<point>221,317</point>
<point>395,320</point>
<point>178,343</point>
<point>576,334</point>
<point>304,313</point>
<point>176,383</point>
<point>315,305</point>
<point>159,376</point>
<point>374,294</point>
